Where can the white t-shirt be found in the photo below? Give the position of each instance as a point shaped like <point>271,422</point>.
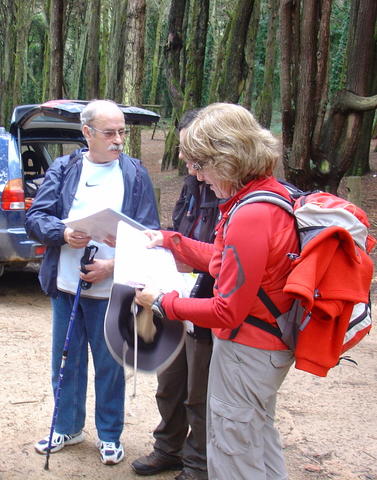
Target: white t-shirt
<point>100,186</point>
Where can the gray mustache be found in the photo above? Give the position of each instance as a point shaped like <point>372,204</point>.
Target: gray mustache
<point>117,148</point>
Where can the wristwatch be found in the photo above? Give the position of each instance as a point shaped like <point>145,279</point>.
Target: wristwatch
<point>157,307</point>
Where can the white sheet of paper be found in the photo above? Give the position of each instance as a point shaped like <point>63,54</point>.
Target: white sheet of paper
<point>138,266</point>
<point>102,224</point>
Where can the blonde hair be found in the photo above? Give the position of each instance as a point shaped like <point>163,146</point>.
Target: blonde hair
<point>228,138</point>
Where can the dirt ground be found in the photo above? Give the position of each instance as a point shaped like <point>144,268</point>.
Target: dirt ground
<point>328,425</point>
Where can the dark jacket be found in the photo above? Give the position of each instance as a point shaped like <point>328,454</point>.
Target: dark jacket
<point>54,200</point>
<point>192,207</point>
<point>197,211</point>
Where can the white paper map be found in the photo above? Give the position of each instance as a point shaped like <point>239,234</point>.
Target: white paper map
<point>138,266</point>
<point>102,224</point>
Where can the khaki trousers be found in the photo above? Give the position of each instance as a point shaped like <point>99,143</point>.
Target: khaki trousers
<point>242,442</point>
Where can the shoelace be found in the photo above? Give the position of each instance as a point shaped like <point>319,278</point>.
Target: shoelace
<point>108,445</point>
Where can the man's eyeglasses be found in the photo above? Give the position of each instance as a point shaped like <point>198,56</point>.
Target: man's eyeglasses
<point>110,133</point>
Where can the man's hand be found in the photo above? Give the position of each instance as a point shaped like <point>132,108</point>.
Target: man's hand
<point>76,239</point>
<point>99,270</point>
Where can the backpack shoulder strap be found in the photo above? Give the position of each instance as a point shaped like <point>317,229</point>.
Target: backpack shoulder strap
<point>287,205</point>
<point>261,196</point>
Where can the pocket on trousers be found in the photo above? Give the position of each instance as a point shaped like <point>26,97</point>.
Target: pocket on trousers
<point>234,429</point>
<point>281,358</point>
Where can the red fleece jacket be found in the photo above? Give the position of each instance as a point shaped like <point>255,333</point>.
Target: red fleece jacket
<point>251,253</point>
<point>331,275</point>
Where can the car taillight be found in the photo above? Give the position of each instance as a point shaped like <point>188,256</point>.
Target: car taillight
<point>39,250</point>
<point>13,197</point>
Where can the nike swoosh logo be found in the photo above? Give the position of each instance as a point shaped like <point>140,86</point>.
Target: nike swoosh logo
<point>94,184</point>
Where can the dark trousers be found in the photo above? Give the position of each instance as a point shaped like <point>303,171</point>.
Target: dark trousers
<point>181,399</point>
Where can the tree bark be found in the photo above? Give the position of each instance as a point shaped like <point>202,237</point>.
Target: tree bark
<point>157,52</point>
<point>263,108</point>
<point>92,60</point>
<point>196,55</point>
<point>234,70</point>
<point>77,68</point>
<point>7,70</point>
<point>250,55</point>
<point>56,49</point>
<point>134,65</point>
<point>320,143</point>
<point>117,50</point>
<point>172,52</point>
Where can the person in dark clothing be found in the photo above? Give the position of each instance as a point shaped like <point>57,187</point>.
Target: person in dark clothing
<point>180,438</point>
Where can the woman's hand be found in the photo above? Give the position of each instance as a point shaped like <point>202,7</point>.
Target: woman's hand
<point>156,238</point>
<point>146,296</point>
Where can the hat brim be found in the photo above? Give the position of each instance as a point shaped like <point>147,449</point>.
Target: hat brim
<point>119,334</point>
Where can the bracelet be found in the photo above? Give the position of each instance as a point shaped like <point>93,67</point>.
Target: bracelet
<point>157,307</point>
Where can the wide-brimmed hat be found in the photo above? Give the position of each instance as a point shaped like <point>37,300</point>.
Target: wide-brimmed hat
<point>155,355</point>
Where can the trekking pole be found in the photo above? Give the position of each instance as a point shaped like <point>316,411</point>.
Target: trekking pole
<point>87,258</point>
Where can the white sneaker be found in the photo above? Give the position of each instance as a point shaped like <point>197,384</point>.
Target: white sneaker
<point>111,453</point>
<point>58,442</point>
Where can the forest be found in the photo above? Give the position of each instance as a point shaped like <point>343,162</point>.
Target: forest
<point>307,69</point>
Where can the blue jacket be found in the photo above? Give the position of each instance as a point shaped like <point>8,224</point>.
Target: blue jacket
<point>54,200</point>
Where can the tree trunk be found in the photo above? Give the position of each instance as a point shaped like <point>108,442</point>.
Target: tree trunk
<point>117,51</point>
<point>56,49</point>
<point>319,143</point>
<point>46,54</point>
<point>234,68</point>
<point>247,97</point>
<point>92,59</point>
<point>173,49</point>
<point>23,19</point>
<point>342,136</point>
<point>289,46</point>
<point>157,53</point>
<point>221,53</point>
<point>7,70</point>
<point>263,109</point>
<point>196,55</point>
<point>360,165</point>
<point>79,58</point>
<point>134,65</point>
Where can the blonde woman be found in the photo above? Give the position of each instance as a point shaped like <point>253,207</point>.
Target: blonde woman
<point>232,153</point>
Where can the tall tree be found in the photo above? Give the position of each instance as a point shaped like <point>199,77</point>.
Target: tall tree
<point>92,57</point>
<point>360,164</point>
<point>8,39</point>
<point>263,108</point>
<point>56,49</point>
<point>134,65</point>
<point>116,51</point>
<point>76,48</point>
<point>195,55</point>
<point>173,49</point>
<point>157,57</point>
<point>234,69</point>
<point>250,48</point>
<point>320,139</point>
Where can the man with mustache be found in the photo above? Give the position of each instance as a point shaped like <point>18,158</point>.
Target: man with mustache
<point>78,185</point>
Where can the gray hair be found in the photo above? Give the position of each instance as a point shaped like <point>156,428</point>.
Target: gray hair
<point>93,108</point>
